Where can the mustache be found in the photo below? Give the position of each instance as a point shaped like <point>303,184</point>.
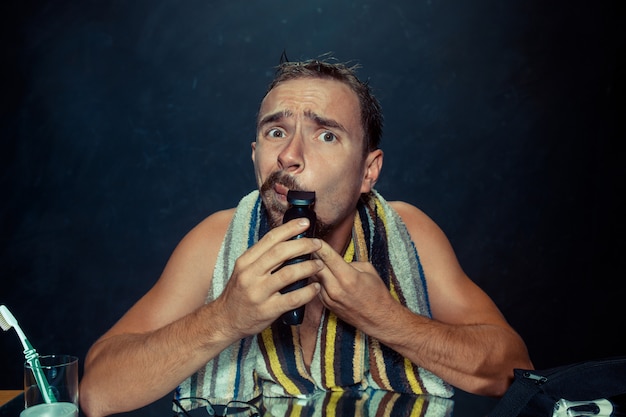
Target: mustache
<point>322,229</point>
<point>279,177</point>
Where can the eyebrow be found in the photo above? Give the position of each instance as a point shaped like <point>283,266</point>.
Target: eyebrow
<point>322,121</point>
<point>274,117</point>
<point>319,120</point>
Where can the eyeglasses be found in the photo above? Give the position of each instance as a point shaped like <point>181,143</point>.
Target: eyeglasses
<point>201,407</point>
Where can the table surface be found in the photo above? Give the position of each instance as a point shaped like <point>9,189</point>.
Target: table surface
<point>8,395</point>
<point>466,405</point>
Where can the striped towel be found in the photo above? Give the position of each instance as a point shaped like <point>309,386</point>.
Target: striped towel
<point>345,358</point>
<point>375,403</point>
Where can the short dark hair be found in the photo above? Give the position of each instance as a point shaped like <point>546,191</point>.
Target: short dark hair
<point>371,113</point>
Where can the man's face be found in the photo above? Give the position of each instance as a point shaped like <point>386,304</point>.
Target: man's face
<point>309,137</point>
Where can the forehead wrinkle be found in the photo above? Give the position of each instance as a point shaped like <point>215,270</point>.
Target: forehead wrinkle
<point>309,114</point>
<point>274,117</point>
<point>323,121</point>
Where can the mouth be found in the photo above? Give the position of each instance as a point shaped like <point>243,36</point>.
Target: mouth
<point>275,189</point>
<point>281,192</point>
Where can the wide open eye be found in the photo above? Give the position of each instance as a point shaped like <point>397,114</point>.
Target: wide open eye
<point>327,136</point>
<point>275,133</point>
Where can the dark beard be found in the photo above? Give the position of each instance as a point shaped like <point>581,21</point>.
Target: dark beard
<point>276,210</point>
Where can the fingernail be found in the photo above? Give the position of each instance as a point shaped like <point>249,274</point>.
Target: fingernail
<point>303,221</point>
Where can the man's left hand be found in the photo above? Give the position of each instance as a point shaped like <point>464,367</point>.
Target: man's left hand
<point>353,291</point>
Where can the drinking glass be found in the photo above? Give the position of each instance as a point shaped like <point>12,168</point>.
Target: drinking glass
<point>61,374</point>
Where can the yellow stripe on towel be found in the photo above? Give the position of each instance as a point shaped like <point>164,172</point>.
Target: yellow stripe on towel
<point>411,378</point>
<point>283,380</point>
<point>418,406</point>
<point>331,406</point>
<point>329,355</point>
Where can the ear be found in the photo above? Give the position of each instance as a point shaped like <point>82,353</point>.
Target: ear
<point>373,166</point>
<point>253,144</point>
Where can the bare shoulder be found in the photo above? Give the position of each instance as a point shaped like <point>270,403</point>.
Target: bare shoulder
<point>454,297</point>
<point>431,242</point>
<point>193,260</point>
<point>209,230</point>
<point>419,224</point>
<point>185,281</point>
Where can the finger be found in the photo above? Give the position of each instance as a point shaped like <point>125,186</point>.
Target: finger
<point>363,266</point>
<point>335,263</point>
<point>265,252</point>
<point>297,298</point>
<point>292,273</point>
<point>331,283</point>
<point>275,258</point>
<point>270,274</point>
<point>276,235</point>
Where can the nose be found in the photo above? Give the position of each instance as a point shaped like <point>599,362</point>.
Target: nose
<point>291,157</point>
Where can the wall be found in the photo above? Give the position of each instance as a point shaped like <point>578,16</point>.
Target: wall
<point>126,123</point>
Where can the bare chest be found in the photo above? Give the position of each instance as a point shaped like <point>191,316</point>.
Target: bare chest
<point>308,330</point>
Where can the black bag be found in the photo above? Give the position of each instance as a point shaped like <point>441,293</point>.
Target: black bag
<point>536,393</point>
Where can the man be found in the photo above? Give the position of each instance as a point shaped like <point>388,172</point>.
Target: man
<point>388,305</point>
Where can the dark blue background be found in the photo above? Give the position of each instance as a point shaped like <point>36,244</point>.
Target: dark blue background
<point>124,123</point>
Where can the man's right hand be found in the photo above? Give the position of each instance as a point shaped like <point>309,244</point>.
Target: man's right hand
<point>252,300</point>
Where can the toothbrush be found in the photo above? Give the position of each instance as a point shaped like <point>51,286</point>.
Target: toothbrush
<point>32,357</point>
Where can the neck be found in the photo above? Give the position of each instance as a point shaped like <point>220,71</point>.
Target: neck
<point>339,237</point>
